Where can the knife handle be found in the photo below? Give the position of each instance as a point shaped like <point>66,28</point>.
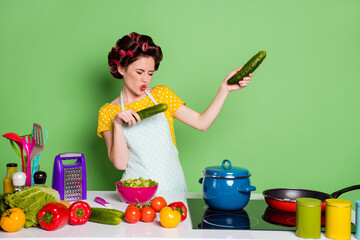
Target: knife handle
<point>101,201</point>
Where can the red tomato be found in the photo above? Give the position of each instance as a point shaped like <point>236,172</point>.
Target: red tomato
<point>132,214</point>
<point>147,214</point>
<point>158,203</point>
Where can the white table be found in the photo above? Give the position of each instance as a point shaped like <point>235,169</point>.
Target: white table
<point>143,230</point>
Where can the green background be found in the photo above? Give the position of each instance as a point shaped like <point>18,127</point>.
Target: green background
<point>295,126</point>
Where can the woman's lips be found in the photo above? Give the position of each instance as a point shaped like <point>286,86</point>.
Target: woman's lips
<point>143,87</point>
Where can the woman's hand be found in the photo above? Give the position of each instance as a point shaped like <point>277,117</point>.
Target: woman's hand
<point>128,116</point>
<point>234,87</point>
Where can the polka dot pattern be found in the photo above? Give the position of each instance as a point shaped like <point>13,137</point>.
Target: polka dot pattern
<point>162,94</point>
<point>153,154</point>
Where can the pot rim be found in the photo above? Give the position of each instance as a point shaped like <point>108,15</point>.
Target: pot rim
<point>227,177</point>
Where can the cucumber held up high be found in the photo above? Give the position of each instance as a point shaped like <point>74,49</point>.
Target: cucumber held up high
<point>248,68</point>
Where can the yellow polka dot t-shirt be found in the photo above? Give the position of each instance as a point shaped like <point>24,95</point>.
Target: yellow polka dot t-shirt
<point>162,94</point>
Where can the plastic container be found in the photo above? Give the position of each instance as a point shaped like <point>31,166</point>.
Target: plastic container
<point>11,168</point>
<point>338,219</point>
<point>357,233</point>
<point>308,218</point>
<point>19,179</point>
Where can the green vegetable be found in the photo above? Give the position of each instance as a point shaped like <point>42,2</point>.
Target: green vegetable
<point>31,200</point>
<point>151,111</point>
<point>141,182</point>
<point>3,205</point>
<point>106,216</point>
<point>118,213</point>
<point>248,68</point>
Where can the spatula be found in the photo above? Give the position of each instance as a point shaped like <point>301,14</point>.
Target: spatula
<point>36,160</point>
<point>39,146</point>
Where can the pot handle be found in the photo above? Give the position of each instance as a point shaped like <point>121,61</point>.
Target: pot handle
<point>200,180</point>
<point>247,189</point>
<point>223,164</point>
<point>344,190</point>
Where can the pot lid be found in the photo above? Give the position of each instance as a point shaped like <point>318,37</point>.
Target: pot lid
<point>226,171</point>
<point>310,202</point>
<point>338,202</point>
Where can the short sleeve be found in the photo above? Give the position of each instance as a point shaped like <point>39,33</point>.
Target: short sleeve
<point>104,121</point>
<point>171,99</point>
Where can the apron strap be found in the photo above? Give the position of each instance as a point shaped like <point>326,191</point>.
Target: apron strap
<point>147,93</point>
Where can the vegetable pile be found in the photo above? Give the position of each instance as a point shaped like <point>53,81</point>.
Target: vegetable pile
<point>170,215</point>
<point>30,200</point>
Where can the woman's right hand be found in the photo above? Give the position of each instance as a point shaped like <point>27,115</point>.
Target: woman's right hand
<point>128,116</point>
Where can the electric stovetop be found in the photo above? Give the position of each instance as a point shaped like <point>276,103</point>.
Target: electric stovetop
<point>255,216</point>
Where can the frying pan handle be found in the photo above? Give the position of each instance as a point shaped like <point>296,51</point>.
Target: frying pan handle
<point>344,190</point>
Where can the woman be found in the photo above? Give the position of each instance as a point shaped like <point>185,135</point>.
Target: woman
<point>147,148</point>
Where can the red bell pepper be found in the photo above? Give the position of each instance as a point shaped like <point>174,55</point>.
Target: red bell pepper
<point>79,213</point>
<point>53,215</point>
<point>181,208</point>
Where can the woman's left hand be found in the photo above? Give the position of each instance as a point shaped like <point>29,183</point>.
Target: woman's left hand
<point>240,85</point>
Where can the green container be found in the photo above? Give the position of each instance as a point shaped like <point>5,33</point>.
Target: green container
<point>308,218</point>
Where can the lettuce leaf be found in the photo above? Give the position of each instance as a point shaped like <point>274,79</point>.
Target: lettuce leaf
<point>31,200</point>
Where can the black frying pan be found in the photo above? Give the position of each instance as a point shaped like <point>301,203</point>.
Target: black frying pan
<point>285,198</point>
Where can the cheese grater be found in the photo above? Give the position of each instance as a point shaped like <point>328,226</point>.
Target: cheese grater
<point>69,176</point>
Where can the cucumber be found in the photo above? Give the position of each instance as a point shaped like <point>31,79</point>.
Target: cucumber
<point>151,111</point>
<point>106,216</point>
<point>248,68</point>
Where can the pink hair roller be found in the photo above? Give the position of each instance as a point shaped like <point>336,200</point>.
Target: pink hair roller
<point>122,53</point>
<point>131,35</point>
<point>145,47</point>
<point>117,63</point>
<point>138,44</point>
<point>138,38</point>
<point>130,53</point>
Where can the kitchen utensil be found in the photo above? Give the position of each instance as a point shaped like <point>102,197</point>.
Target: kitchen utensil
<point>136,194</point>
<point>69,176</point>
<point>226,187</point>
<point>28,143</point>
<point>103,202</point>
<point>285,198</point>
<point>37,132</point>
<point>13,137</point>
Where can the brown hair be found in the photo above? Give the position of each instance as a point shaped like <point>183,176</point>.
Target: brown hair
<point>129,49</point>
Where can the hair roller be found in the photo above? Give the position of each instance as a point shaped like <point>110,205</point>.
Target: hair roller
<point>117,63</point>
<point>145,47</point>
<point>138,38</point>
<point>130,53</point>
<point>122,53</point>
<point>138,44</point>
<point>157,48</point>
<point>132,35</point>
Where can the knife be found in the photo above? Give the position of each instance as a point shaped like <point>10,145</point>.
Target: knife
<point>103,202</point>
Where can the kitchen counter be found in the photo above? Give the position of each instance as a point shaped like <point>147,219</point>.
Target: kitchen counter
<point>143,230</point>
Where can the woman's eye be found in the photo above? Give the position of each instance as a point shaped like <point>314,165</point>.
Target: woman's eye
<point>139,73</point>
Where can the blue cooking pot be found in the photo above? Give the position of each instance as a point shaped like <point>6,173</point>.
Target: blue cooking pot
<point>226,188</point>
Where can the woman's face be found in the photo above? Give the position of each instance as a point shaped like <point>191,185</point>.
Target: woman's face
<point>138,75</point>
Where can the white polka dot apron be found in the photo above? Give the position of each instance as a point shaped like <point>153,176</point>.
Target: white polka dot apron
<point>152,153</point>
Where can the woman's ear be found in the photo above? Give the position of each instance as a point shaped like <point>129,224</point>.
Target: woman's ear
<point>121,70</point>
